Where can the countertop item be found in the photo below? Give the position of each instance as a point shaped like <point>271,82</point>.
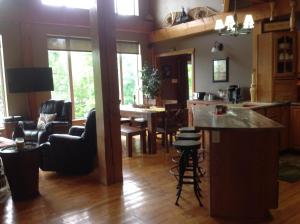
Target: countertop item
<point>206,118</point>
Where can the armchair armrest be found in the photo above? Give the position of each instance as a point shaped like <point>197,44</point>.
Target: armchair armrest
<point>57,127</point>
<point>76,130</point>
<point>29,125</point>
<point>64,141</point>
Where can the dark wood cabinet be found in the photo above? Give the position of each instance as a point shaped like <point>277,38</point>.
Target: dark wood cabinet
<point>281,114</point>
<point>295,127</point>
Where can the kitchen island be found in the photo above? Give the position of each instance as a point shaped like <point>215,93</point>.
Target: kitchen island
<point>241,162</point>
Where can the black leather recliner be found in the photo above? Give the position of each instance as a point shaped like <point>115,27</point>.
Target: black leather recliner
<point>61,124</point>
<point>72,153</point>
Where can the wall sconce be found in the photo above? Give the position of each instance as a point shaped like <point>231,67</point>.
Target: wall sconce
<point>217,47</point>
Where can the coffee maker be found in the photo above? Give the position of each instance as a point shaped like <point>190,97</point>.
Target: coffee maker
<point>234,93</point>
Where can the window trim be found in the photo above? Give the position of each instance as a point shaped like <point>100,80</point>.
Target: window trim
<point>69,51</point>
<point>139,98</point>
<point>3,80</point>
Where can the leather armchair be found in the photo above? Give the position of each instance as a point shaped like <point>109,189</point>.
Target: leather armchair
<point>72,153</point>
<point>61,124</point>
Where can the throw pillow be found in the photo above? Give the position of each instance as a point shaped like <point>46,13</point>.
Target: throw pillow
<point>45,119</point>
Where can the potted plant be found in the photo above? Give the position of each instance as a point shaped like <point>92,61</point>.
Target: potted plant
<point>150,81</point>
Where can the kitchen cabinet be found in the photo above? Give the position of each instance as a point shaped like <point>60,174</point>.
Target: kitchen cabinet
<point>281,114</point>
<point>276,68</point>
<point>295,127</point>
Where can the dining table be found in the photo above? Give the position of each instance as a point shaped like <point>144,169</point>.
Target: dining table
<point>151,114</point>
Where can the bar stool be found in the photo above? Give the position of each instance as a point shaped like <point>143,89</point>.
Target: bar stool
<point>189,149</point>
<point>188,130</point>
<point>188,136</point>
<point>194,137</point>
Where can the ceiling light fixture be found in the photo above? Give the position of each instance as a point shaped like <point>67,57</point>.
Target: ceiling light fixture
<point>232,27</point>
<point>217,47</point>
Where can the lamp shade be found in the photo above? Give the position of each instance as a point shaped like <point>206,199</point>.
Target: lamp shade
<point>219,24</point>
<point>248,22</point>
<point>229,22</point>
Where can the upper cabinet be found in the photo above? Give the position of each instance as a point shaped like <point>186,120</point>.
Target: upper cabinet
<point>276,67</point>
<point>285,54</point>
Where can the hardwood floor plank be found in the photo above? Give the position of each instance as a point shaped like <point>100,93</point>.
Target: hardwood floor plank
<point>146,196</point>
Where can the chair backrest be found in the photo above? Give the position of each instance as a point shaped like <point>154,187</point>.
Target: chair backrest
<point>62,109</point>
<point>175,116</point>
<point>90,134</point>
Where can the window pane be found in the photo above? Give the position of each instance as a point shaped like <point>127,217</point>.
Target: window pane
<point>127,7</point>
<point>58,60</point>
<point>130,70</point>
<point>3,109</point>
<point>83,83</point>
<point>190,79</point>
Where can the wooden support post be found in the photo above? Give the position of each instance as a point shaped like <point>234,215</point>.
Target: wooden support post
<point>272,7</point>
<point>107,93</point>
<point>226,5</point>
<point>292,17</point>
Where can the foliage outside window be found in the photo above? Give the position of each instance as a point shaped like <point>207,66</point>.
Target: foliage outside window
<point>129,66</point>
<point>127,7</point>
<point>3,102</point>
<point>190,79</point>
<point>73,77</point>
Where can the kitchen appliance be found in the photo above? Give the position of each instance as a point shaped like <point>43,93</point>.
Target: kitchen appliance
<point>209,97</point>
<point>199,95</point>
<point>234,93</point>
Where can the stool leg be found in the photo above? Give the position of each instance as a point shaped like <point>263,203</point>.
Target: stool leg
<point>163,139</point>
<point>143,142</point>
<point>182,166</point>
<point>196,179</point>
<point>129,145</point>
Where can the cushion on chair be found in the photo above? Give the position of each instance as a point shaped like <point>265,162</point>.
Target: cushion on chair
<point>44,119</point>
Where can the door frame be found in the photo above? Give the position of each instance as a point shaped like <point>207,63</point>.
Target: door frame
<point>190,51</point>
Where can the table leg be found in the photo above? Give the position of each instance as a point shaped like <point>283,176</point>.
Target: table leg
<point>151,133</point>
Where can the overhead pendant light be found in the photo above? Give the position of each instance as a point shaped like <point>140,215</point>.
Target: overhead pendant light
<point>232,27</point>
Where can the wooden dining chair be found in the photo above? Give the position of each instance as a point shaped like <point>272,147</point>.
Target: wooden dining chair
<point>175,117</point>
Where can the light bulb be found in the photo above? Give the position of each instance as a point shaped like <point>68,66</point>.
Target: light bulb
<point>219,25</point>
<point>229,22</point>
<point>248,22</point>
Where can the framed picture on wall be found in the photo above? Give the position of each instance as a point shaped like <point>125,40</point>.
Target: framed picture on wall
<point>220,70</point>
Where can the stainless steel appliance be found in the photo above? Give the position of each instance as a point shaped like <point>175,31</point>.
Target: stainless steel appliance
<point>234,93</point>
<point>199,95</point>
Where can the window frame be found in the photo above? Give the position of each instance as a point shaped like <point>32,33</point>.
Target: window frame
<point>3,88</point>
<point>139,95</point>
<point>136,8</point>
<point>69,51</point>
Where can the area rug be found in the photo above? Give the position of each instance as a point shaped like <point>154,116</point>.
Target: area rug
<point>289,167</point>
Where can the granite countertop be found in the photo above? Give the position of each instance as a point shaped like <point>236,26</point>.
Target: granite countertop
<point>242,105</point>
<point>235,118</point>
<point>295,103</point>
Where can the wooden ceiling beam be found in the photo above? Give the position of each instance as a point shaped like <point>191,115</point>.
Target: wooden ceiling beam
<point>226,5</point>
<point>259,12</point>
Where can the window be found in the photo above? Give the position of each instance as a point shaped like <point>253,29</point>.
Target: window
<point>129,66</point>
<point>82,4</point>
<point>73,77</point>
<point>3,102</point>
<point>190,78</point>
<point>127,7</point>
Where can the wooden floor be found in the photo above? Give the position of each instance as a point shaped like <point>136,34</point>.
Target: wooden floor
<point>147,195</point>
